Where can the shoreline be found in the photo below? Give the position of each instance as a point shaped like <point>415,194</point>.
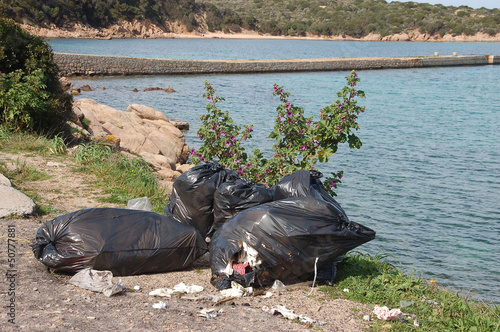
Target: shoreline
<point>137,30</point>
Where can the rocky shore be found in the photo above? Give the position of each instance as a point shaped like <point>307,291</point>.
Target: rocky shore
<point>143,30</point>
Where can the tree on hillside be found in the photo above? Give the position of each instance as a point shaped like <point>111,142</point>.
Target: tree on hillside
<point>31,96</point>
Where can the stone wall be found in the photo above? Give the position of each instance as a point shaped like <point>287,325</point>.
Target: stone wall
<point>80,64</point>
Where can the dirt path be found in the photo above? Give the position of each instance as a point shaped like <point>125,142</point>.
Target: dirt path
<point>46,301</point>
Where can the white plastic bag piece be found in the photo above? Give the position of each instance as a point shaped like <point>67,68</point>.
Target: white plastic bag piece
<point>141,203</point>
<point>282,310</point>
<point>164,292</point>
<point>160,305</point>
<point>97,281</point>
<point>236,290</point>
<point>278,286</point>
<point>191,289</point>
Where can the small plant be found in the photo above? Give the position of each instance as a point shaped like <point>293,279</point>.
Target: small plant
<point>57,145</point>
<point>301,142</point>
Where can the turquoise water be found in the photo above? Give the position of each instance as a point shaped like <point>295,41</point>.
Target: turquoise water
<point>427,178</point>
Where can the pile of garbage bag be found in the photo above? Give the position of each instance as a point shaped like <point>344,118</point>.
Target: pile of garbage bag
<point>254,234</point>
<point>125,242</point>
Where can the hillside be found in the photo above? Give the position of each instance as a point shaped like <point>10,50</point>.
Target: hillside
<point>354,19</point>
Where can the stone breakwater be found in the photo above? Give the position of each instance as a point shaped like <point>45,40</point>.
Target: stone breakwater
<point>88,65</point>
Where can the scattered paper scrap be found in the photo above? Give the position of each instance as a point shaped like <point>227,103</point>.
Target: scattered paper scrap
<point>160,305</point>
<point>283,311</point>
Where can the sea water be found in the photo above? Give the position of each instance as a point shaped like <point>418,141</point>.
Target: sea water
<point>427,177</point>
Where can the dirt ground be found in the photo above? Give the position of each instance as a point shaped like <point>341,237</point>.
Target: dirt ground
<point>46,301</point>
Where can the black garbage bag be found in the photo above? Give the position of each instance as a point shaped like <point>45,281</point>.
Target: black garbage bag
<point>192,200</point>
<point>235,196</point>
<point>125,242</point>
<point>305,183</point>
<point>282,240</point>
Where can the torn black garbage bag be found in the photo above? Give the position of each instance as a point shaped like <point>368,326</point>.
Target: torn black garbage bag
<point>125,242</point>
<point>192,200</point>
<point>282,240</point>
<point>237,195</point>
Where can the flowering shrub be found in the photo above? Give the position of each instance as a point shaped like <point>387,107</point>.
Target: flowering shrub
<point>301,141</point>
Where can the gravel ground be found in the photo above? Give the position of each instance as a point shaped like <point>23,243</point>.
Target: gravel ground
<point>45,300</point>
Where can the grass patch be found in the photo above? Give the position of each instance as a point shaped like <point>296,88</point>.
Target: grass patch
<point>122,177</point>
<point>373,281</point>
<point>22,173</point>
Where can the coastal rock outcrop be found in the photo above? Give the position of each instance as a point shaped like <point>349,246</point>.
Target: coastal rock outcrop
<point>140,130</point>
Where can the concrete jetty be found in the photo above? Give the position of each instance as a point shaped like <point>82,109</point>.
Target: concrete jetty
<point>88,65</point>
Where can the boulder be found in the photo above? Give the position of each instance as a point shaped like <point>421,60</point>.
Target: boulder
<point>181,125</point>
<point>86,87</point>
<point>140,130</point>
<point>12,201</point>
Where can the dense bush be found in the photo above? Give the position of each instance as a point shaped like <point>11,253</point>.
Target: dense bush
<point>31,96</point>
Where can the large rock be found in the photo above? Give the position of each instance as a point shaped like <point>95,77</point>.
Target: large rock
<point>12,201</point>
<point>141,129</point>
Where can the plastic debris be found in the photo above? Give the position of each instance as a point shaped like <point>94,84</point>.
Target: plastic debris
<point>209,313</point>
<point>141,203</point>
<point>366,317</point>
<point>160,305</point>
<point>183,288</point>
<point>180,288</point>
<point>346,290</point>
<point>97,281</point>
<point>383,313</point>
<point>236,290</point>
<point>278,286</point>
<point>163,292</point>
<point>137,288</point>
<point>404,304</point>
<point>283,311</point>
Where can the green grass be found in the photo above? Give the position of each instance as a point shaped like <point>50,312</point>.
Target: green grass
<point>373,281</point>
<point>121,177</point>
<point>22,173</point>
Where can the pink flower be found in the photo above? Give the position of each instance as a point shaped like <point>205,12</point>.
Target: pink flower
<point>302,147</point>
<point>228,143</point>
<point>249,166</point>
<point>192,152</point>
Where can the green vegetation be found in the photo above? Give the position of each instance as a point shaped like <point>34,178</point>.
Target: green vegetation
<point>31,96</point>
<point>373,281</point>
<point>121,177</point>
<point>300,142</point>
<point>355,18</point>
